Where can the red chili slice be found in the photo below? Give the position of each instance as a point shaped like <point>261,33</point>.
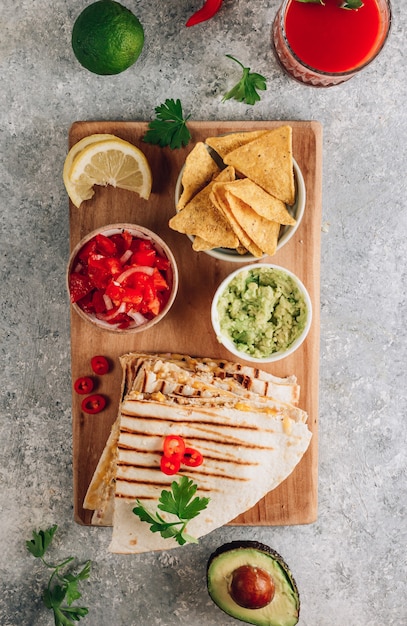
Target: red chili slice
<point>170,465</point>
<point>93,404</point>
<point>99,364</point>
<point>83,385</point>
<point>174,446</point>
<point>192,457</point>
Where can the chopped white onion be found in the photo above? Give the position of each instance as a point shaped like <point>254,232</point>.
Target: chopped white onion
<point>108,302</point>
<point>126,256</point>
<point>145,269</point>
<point>137,317</point>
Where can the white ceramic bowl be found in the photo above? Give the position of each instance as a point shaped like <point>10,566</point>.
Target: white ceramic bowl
<point>286,232</point>
<point>228,342</point>
<point>171,276</point>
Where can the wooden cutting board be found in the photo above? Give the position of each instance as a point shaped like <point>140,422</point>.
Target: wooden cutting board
<point>187,328</point>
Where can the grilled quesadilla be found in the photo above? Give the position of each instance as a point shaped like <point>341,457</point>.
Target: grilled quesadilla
<point>250,443</point>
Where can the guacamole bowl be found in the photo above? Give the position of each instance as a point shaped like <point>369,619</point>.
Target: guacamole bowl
<point>122,278</point>
<point>285,234</point>
<point>261,313</point>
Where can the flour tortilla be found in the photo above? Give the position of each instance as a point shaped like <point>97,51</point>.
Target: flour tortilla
<point>247,454</point>
<point>222,383</point>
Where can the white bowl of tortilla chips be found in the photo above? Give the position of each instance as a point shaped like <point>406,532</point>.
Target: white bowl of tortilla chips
<point>240,196</point>
<point>261,313</point>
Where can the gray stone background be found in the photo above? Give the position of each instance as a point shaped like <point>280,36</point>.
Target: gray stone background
<point>350,565</point>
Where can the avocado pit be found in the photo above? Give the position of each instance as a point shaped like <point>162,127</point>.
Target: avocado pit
<point>251,587</point>
<point>251,582</point>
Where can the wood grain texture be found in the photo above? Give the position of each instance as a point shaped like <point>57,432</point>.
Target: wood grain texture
<point>187,328</point>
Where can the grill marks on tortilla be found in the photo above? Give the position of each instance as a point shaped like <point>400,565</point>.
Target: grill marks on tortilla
<point>232,451</point>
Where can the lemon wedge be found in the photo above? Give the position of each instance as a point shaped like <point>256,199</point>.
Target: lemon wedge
<point>110,161</point>
<point>79,193</point>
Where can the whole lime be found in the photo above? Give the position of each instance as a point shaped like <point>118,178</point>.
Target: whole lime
<point>107,38</point>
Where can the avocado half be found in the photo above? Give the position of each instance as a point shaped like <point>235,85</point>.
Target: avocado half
<point>251,582</point>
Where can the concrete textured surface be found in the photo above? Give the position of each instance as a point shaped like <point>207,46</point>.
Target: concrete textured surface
<point>350,565</point>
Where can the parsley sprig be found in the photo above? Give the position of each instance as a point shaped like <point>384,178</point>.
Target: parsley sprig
<point>179,502</point>
<point>345,4</point>
<point>246,89</point>
<point>170,127</point>
<point>62,589</point>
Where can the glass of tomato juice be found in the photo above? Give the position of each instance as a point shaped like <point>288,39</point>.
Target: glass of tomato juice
<point>326,44</point>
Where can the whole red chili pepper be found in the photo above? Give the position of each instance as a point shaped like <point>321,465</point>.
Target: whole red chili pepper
<point>205,13</point>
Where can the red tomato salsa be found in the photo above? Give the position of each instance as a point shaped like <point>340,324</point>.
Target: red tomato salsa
<point>330,38</point>
<point>121,279</point>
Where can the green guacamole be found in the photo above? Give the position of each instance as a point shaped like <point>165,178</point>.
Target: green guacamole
<point>262,311</point>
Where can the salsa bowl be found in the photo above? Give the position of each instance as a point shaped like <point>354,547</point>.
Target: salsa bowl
<point>122,278</point>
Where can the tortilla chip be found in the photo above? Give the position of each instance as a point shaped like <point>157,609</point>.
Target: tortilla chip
<point>200,217</point>
<point>199,170</point>
<point>227,143</point>
<point>219,199</point>
<point>263,232</point>
<point>199,244</point>
<point>264,204</point>
<point>268,161</point>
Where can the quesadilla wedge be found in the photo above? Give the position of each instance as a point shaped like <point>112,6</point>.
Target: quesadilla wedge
<point>167,391</point>
<point>249,377</point>
<point>247,454</point>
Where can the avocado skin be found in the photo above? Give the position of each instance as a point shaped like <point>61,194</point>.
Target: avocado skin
<point>234,611</point>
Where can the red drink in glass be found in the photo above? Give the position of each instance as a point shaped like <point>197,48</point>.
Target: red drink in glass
<point>324,45</point>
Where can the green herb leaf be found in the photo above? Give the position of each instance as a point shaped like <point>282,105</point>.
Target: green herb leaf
<point>352,4</point>
<point>61,588</point>
<point>40,542</point>
<point>179,502</point>
<point>346,4</point>
<point>169,128</point>
<point>65,615</point>
<point>246,89</point>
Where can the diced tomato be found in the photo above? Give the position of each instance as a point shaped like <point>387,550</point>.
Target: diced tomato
<point>174,446</point>
<point>137,279</point>
<point>102,268</point>
<point>192,457</point>
<point>170,465</point>
<point>140,245</point>
<point>79,286</point>
<point>119,275</point>
<point>98,303</point>
<point>88,248</point>
<point>159,281</point>
<point>162,263</point>
<point>154,306</point>
<point>99,364</point>
<point>83,385</point>
<point>144,257</point>
<point>93,404</point>
<point>133,296</point>
<point>115,292</point>
<point>105,245</point>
